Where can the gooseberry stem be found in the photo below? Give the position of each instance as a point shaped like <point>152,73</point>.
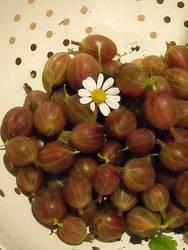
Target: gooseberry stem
<point>165,225</point>
<point>33,195</point>
<point>2,147</point>
<point>57,223</point>
<point>154,87</point>
<point>173,132</point>
<point>170,44</point>
<point>76,152</point>
<point>51,231</point>
<point>80,210</point>
<point>154,154</point>
<point>150,83</point>
<point>72,52</point>
<point>31,199</point>
<point>65,137</point>
<point>161,143</point>
<point>124,149</point>
<point>99,56</point>
<point>27,88</point>
<point>120,56</point>
<point>89,238</point>
<point>65,91</point>
<point>103,158</point>
<point>163,214</point>
<point>75,43</point>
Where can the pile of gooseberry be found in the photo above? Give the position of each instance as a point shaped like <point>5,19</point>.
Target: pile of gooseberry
<point>93,177</point>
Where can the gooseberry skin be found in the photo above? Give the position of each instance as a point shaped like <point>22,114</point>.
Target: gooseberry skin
<point>61,169</point>
<point>81,67</point>
<point>22,150</point>
<point>131,80</point>
<point>55,71</point>
<point>120,123</point>
<point>158,83</point>
<point>49,118</point>
<point>112,152</point>
<point>141,141</point>
<point>35,98</point>
<point>137,61</point>
<point>138,175</point>
<point>112,68</point>
<point>86,166</point>
<point>107,226</point>
<point>123,200</point>
<point>96,45</point>
<point>87,137</point>
<point>175,216</point>
<point>12,169</point>
<point>48,207</point>
<point>59,96</point>
<point>18,121</point>
<point>174,156</point>
<point>30,179</point>
<point>178,79</point>
<point>162,103</point>
<point>181,189</point>
<point>77,191</point>
<point>77,112</point>
<point>106,180</point>
<point>142,222</point>
<point>153,65</point>
<point>180,135</point>
<point>156,198</point>
<point>73,230</point>
<point>88,212</point>
<point>182,121</point>
<point>177,56</point>
<point>55,158</point>
<point>166,180</point>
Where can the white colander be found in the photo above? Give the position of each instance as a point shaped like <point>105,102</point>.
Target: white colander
<point>31,30</point>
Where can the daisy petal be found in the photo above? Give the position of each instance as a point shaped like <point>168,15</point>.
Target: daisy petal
<point>89,84</point>
<point>84,92</point>
<point>105,110</point>
<point>112,104</point>
<point>92,106</point>
<point>116,98</point>
<point>100,80</point>
<point>112,91</point>
<point>108,83</point>
<point>85,100</point>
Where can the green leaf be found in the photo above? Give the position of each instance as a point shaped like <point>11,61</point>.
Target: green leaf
<point>162,242</point>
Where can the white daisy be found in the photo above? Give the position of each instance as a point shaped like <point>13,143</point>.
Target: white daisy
<point>101,94</point>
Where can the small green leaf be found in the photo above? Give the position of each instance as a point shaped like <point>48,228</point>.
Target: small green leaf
<point>162,242</point>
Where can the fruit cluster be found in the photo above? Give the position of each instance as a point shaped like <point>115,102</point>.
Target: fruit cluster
<point>123,173</point>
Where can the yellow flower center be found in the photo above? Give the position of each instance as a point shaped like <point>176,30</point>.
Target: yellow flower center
<point>98,96</point>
